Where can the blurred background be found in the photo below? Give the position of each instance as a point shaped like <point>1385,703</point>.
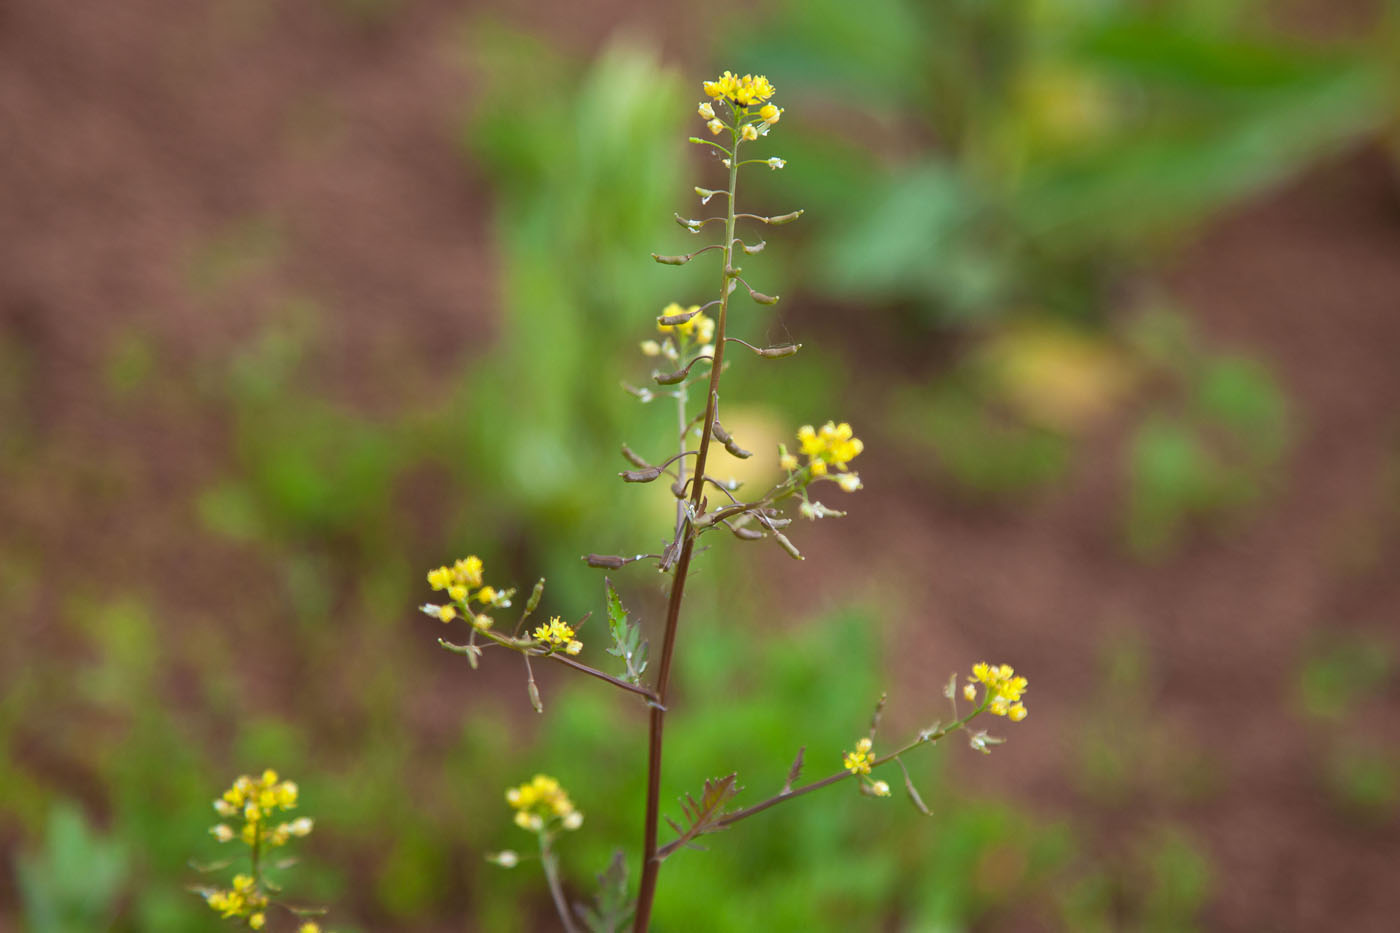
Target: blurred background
<point>298,300</point>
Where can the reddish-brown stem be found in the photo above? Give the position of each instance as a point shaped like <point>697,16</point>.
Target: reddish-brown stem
<point>651,863</point>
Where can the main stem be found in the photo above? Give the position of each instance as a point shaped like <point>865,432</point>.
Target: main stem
<point>651,865</point>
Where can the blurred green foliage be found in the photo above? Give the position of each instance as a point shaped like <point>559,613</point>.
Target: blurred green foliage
<point>1071,139</point>
<point>72,884</point>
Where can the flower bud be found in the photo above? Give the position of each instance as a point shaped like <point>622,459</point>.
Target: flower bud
<point>715,126</point>
<point>707,111</point>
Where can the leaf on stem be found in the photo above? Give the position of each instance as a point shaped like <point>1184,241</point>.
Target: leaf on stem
<point>627,637</point>
<point>795,771</point>
<point>909,786</point>
<point>611,910</point>
<point>703,816</point>
<point>875,717</point>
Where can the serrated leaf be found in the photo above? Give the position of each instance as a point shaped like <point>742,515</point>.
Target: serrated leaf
<point>626,635</point>
<point>611,910</point>
<point>702,816</point>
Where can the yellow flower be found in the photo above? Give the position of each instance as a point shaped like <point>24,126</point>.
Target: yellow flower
<point>556,633</point>
<point>540,799</point>
<point>716,126</point>
<point>742,91</point>
<point>469,570</point>
<point>859,761</point>
<point>309,927</point>
<point>1003,689</point>
<point>257,920</point>
<point>457,592</point>
<point>748,132</point>
<point>788,462</point>
<point>440,579</point>
<point>834,445</point>
<point>486,594</point>
<point>770,114</point>
<point>447,613</point>
<point>706,111</point>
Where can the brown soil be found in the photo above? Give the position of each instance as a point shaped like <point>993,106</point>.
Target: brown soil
<point>138,130</point>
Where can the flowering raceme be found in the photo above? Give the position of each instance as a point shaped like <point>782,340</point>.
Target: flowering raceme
<point>254,802</point>
<point>1002,688</point>
<point>540,801</point>
<point>742,91</point>
<point>459,581</point>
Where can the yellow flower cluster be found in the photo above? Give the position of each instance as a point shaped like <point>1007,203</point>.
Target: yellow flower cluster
<point>1003,689</point>
<point>701,327</point>
<point>859,761</point>
<point>254,801</point>
<point>833,445</point>
<point>556,634</point>
<point>459,581</point>
<point>540,800</point>
<point>244,899</point>
<point>742,91</point>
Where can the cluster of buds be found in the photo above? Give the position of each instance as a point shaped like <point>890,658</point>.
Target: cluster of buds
<point>859,763</point>
<point>557,635</point>
<point>464,585</point>
<point>1002,690</point>
<point>254,802</point>
<point>541,803</point>
<point>245,899</point>
<point>741,96</point>
<point>833,446</point>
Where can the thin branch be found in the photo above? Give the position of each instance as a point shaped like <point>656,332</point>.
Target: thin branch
<point>639,690</point>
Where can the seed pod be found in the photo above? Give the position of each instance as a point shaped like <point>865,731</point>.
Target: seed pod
<point>756,248</point>
<point>670,379</point>
<point>533,602</point>
<point>534,692</point>
<point>640,476</point>
<point>605,561</point>
<point>787,545</point>
<point>774,353</point>
<point>762,298</point>
<point>670,260</point>
<point>672,319</point>
<point>783,218</point>
<point>746,534</point>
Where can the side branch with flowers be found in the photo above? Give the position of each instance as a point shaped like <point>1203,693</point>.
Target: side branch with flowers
<point>738,113</point>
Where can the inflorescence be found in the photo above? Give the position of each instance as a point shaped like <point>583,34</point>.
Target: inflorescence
<point>253,804</point>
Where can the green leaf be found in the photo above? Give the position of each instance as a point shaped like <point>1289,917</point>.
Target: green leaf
<point>627,637</point>
<point>613,909</point>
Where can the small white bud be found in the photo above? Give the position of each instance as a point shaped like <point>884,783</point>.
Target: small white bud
<point>505,859</point>
<point>573,819</point>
